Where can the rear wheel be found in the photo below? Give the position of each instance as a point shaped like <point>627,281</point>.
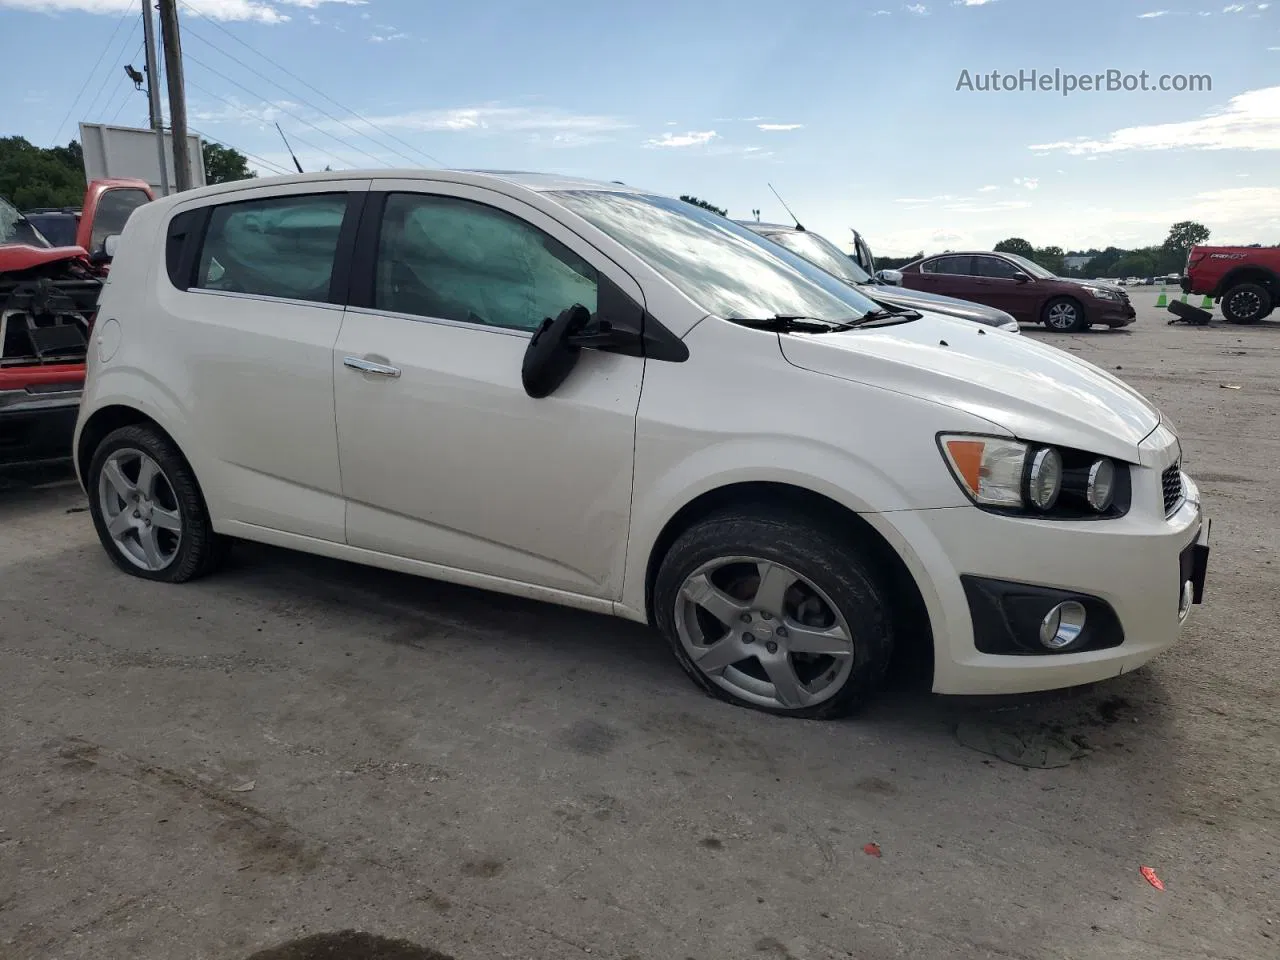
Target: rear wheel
<point>1063,315</point>
<point>767,609</point>
<point>147,508</point>
<point>1246,303</point>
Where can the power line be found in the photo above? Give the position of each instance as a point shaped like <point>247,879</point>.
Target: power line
<point>93,70</point>
<point>249,113</point>
<point>117,62</point>
<point>303,100</point>
<point>125,101</point>
<point>320,130</point>
<point>266,163</point>
<point>318,92</point>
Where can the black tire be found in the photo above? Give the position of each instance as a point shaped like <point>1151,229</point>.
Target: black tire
<point>1049,316</point>
<point>199,551</point>
<point>1246,303</point>
<point>813,550</point>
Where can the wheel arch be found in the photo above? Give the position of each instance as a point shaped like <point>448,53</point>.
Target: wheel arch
<point>1054,298</point>
<point>913,629</point>
<point>107,419</point>
<point>1250,273</point>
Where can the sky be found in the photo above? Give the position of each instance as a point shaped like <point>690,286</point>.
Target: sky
<point>863,114</point>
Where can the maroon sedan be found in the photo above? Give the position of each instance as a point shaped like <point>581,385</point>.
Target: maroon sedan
<point>1021,287</point>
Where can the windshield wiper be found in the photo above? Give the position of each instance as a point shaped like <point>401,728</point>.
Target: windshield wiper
<point>789,323</point>
<point>876,316</point>
<point>794,323</point>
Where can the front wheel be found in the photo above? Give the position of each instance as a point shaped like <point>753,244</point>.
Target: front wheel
<point>1064,315</point>
<point>147,508</point>
<point>1246,303</point>
<point>769,610</point>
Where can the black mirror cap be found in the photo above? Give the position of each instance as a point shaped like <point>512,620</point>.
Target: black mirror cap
<point>550,358</point>
<point>1021,277</point>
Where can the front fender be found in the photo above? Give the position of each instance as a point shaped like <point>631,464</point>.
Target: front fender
<point>853,482</point>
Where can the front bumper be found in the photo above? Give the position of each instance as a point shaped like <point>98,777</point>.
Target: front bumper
<point>1111,313</point>
<point>37,423</point>
<point>1136,566</point>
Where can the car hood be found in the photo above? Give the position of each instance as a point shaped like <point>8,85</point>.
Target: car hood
<point>1033,390</point>
<point>919,300</point>
<point>1093,283</point>
<point>21,256</point>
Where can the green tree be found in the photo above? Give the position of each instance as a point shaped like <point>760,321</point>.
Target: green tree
<point>1017,246</point>
<point>1136,263</point>
<point>1051,258</point>
<point>224,164</point>
<point>704,205</point>
<point>1184,235</point>
<point>32,176</point>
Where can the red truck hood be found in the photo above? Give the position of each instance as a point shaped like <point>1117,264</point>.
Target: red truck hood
<point>20,256</point>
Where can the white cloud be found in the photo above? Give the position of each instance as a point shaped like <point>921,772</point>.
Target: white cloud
<point>1153,14</point>
<point>971,3</point>
<point>1030,183</point>
<point>495,118</point>
<point>261,11</point>
<point>388,34</point>
<point>976,206</point>
<point>989,188</point>
<point>693,138</point>
<point>779,126</point>
<point>917,9</point>
<point>1250,121</point>
<point>882,13</point>
<point>1233,8</point>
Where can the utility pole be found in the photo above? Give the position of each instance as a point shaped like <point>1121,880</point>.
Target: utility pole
<point>153,94</point>
<point>177,94</point>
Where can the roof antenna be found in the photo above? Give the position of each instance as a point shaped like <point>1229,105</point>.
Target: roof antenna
<point>788,209</point>
<point>289,148</point>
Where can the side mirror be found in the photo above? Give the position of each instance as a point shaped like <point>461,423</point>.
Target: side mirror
<point>550,357</point>
<point>891,277</point>
<point>1021,277</point>
<point>110,245</point>
<point>553,351</point>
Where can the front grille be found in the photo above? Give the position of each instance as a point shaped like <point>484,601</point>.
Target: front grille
<point>1171,482</point>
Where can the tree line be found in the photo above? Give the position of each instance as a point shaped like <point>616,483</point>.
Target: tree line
<point>32,176</point>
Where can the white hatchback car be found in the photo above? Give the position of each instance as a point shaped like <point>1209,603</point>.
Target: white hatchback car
<point>606,398</point>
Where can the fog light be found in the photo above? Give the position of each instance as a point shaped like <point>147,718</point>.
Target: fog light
<point>1184,602</point>
<point>1062,626</point>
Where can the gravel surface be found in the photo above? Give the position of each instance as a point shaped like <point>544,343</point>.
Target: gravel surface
<point>299,758</point>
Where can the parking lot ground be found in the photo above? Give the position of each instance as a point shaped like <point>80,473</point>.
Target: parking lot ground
<point>298,747</point>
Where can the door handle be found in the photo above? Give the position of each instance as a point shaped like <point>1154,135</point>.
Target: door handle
<point>368,366</point>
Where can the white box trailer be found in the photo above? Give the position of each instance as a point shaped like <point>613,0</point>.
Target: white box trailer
<point>111,151</point>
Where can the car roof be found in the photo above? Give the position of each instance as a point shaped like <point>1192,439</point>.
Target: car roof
<point>771,227</point>
<point>529,180</point>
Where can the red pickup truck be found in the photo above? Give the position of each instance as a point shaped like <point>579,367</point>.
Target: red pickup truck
<point>48,298</point>
<point>1244,280</point>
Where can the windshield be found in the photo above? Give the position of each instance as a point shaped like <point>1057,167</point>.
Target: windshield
<point>14,228</point>
<point>823,253</point>
<point>1030,267</point>
<point>723,267</point>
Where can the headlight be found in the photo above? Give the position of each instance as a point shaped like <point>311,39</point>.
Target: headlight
<point>1101,488</point>
<point>1044,481</point>
<point>1040,480</point>
<point>989,469</point>
<point>1102,293</point>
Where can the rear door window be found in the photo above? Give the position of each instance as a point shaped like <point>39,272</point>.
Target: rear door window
<point>949,265</point>
<point>276,247</point>
<point>994,267</point>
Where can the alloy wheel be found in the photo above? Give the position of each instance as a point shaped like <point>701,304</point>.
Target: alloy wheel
<point>1246,305</point>
<point>140,509</point>
<point>1062,316</point>
<point>764,633</point>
